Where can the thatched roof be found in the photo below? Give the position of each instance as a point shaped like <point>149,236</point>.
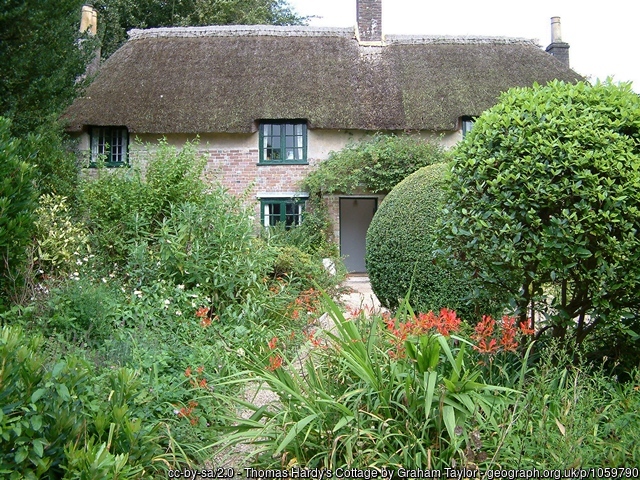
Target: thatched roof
<point>224,79</point>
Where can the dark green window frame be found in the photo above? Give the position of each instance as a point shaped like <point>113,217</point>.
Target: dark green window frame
<point>276,210</point>
<point>283,142</point>
<point>467,125</point>
<point>111,144</point>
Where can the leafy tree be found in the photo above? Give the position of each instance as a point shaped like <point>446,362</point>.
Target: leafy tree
<point>116,17</point>
<point>17,203</point>
<point>41,59</point>
<point>545,202</point>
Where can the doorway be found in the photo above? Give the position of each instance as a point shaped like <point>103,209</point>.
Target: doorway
<point>355,216</point>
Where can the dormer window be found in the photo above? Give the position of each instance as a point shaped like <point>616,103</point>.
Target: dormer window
<point>283,142</point>
<point>466,125</point>
<point>110,145</point>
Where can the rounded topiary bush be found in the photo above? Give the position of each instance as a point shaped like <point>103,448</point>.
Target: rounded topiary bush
<point>401,252</point>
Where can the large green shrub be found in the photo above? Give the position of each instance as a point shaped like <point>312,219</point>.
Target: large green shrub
<point>59,421</point>
<point>212,246</point>
<point>17,203</point>
<point>545,203</point>
<point>122,207</point>
<point>401,253</point>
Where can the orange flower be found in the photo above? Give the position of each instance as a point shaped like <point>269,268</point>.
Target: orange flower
<point>205,322</point>
<point>483,347</point>
<point>272,343</point>
<point>275,362</point>
<point>187,372</point>
<point>202,312</point>
<point>525,327</point>
<point>508,341</point>
<point>448,321</point>
<point>200,369</point>
<point>203,383</point>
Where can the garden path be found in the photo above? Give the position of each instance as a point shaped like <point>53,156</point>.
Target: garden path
<point>357,296</point>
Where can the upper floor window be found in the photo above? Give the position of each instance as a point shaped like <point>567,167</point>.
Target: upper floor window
<point>109,144</point>
<point>283,142</point>
<point>467,125</point>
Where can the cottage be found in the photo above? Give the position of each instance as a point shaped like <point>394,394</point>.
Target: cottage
<point>269,102</point>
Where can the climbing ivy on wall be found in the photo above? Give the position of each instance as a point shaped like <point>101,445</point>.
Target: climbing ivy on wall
<point>375,164</point>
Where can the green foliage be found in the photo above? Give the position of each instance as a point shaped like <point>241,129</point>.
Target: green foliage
<point>401,253</point>
<point>17,204</point>
<point>375,164</point>
<point>212,245</point>
<point>119,16</point>
<point>122,208</point>
<point>56,165</point>
<point>571,418</point>
<point>60,241</point>
<point>356,404</point>
<point>545,202</point>
<point>311,236</point>
<point>40,60</point>
<point>82,311</point>
<point>56,419</point>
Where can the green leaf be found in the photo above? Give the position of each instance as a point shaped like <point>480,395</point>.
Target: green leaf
<point>295,429</point>
<point>36,422</point>
<point>449,418</point>
<point>21,455</point>
<point>38,447</point>
<point>37,395</point>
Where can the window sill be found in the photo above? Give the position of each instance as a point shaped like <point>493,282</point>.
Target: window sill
<point>285,162</point>
<point>108,165</point>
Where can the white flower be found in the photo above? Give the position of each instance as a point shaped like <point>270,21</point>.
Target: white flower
<point>137,293</point>
<point>78,262</point>
<point>180,287</point>
<point>167,302</point>
<point>178,312</point>
<point>104,280</point>
<point>240,352</point>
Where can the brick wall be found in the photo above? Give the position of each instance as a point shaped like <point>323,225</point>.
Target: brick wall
<point>239,172</point>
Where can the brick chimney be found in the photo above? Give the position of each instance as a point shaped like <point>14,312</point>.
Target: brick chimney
<point>369,13</point>
<point>558,48</point>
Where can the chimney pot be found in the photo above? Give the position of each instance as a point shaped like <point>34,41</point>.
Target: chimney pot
<point>556,33</point>
<point>89,20</point>
<point>557,47</point>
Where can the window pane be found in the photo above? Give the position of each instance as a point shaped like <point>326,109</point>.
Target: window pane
<point>266,130</point>
<point>289,129</point>
<point>275,130</point>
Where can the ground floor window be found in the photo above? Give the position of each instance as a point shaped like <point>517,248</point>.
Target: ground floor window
<point>109,144</point>
<point>276,210</point>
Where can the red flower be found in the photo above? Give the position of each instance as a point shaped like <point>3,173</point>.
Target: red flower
<point>272,343</point>
<point>187,372</point>
<point>202,312</point>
